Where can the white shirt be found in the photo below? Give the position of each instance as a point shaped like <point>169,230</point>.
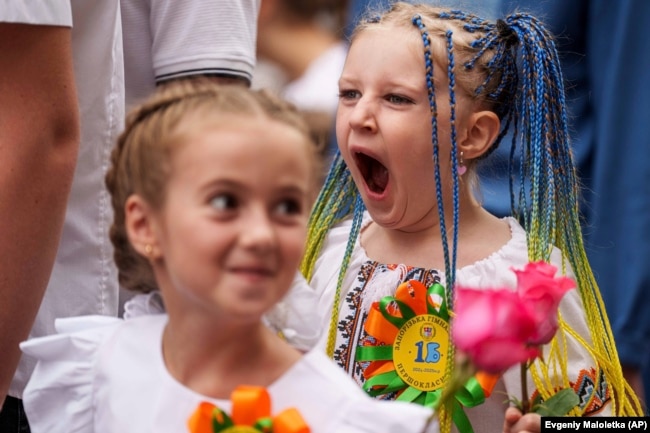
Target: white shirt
<point>84,278</point>
<point>293,317</point>
<point>108,375</point>
<point>166,39</point>
<point>317,89</point>
<point>367,281</point>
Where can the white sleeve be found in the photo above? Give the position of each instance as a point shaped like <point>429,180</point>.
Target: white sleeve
<point>51,12</point>
<point>203,37</point>
<point>581,366</point>
<point>369,416</point>
<point>59,395</point>
<point>297,316</point>
<point>144,304</point>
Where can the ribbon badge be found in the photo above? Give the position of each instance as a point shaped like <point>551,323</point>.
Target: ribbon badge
<point>411,330</point>
<point>251,413</point>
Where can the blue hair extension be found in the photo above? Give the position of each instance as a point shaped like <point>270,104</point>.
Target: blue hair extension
<point>428,63</point>
<point>454,159</point>
<point>513,69</point>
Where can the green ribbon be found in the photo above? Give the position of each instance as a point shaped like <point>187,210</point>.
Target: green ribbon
<point>262,425</point>
<point>469,396</point>
<point>219,426</point>
<point>385,353</point>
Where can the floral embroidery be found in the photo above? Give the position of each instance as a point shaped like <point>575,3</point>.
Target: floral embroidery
<point>592,389</point>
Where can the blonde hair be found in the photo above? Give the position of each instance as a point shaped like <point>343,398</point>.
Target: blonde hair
<point>480,82</point>
<point>512,67</point>
<point>140,161</point>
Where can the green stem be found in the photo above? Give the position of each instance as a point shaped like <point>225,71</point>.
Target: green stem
<point>525,403</point>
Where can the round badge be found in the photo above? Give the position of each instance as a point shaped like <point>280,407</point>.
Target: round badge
<point>419,352</point>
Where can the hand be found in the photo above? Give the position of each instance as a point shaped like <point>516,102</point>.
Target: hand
<point>516,422</point>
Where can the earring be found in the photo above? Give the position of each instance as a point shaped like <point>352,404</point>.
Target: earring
<point>148,249</point>
<point>462,168</point>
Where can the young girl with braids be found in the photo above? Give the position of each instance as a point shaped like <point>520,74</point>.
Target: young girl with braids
<point>425,94</point>
<point>211,189</point>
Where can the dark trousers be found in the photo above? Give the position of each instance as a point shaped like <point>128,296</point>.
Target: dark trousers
<point>12,417</point>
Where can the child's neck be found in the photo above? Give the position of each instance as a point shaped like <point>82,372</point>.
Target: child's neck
<point>213,362</point>
<point>479,235</point>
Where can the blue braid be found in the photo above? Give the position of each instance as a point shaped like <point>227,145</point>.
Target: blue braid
<point>522,83</point>
<point>534,104</point>
<point>501,68</point>
<point>454,159</point>
<point>428,62</point>
<point>537,113</point>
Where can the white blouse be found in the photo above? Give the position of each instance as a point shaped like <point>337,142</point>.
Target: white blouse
<point>367,281</point>
<point>103,374</point>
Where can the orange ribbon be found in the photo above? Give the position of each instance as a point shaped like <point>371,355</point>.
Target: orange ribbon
<point>251,411</point>
<point>384,322</point>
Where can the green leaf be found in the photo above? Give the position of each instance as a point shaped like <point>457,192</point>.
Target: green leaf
<point>558,404</point>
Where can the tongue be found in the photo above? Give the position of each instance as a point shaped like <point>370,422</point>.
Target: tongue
<point>378,178</point>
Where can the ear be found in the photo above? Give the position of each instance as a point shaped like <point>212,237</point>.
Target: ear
<point>140,227</point>
<point>482,129</point>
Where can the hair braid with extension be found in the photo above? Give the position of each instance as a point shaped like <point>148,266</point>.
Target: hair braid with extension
<point>549,209</point>
<point>512,68</point>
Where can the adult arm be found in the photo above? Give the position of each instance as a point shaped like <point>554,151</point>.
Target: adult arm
<point>39,139</point>
<point>166,40</point>
<point>203,38</point>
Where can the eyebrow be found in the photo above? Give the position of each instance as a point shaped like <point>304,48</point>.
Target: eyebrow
<point>237,186</point>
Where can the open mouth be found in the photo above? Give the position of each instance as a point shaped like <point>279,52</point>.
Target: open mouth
<point>374,173</point>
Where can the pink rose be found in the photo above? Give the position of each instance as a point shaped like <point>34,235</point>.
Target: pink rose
<point>542,292</point>
<point>493,327</point>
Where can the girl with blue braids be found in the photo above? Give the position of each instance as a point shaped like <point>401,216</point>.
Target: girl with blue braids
<point>425,95</point>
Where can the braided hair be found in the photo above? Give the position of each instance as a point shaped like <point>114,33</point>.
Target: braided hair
<point>510,67</point>
<point>141,159</point>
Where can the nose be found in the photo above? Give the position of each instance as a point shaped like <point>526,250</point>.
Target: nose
<point>258,231</point>
<point>362,116</point>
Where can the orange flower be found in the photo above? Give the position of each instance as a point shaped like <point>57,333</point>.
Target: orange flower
<point>251,412</point>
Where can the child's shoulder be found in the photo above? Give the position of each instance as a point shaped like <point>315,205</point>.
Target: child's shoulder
<point>495,267</point>
<point>87,354</point>
<point>350,408</point>
<point>75,335</point>
<point>81,343</point>
<point>60,395</point>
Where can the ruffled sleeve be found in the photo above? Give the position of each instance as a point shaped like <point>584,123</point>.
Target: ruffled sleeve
<point>59,396</point>
<point>297,317</point>
<point>144,304</point>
